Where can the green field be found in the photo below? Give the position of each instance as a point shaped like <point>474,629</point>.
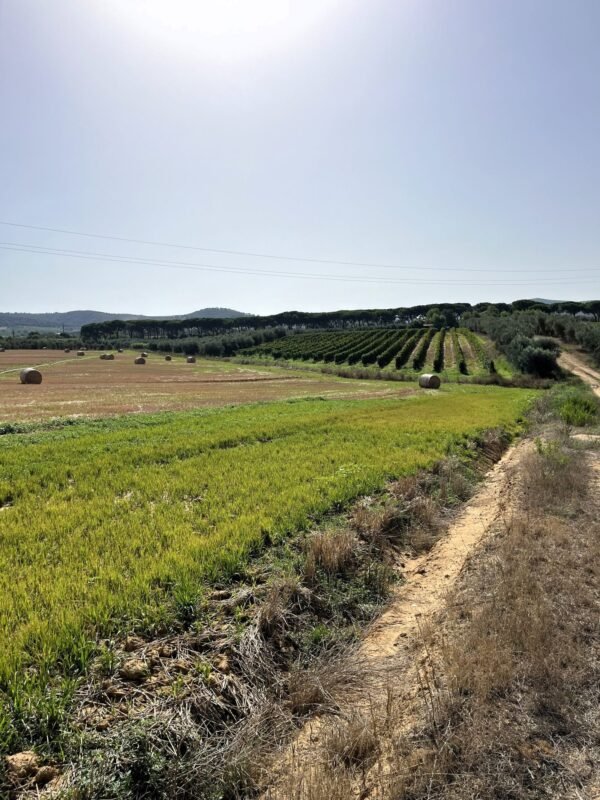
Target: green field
<point>119,523</point>
<point>453,353</point>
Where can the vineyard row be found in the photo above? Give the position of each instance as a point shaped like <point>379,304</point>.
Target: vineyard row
<point>403,349</point>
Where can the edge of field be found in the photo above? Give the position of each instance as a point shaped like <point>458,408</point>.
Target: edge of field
<point>405,518</point>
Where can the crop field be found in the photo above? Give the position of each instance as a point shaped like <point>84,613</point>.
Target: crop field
<point>87,386</point>
<point>118,523</point>
<point>450,352</point>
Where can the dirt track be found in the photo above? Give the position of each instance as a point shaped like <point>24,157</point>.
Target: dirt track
<point>576,365</point>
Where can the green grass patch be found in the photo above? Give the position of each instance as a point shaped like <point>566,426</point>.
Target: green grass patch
<point>576,405</point>
<point>117,524</point>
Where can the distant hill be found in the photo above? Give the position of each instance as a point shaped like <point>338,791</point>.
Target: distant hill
<point>546,302</point>
<point>73,320</point>
<point>213,313</point>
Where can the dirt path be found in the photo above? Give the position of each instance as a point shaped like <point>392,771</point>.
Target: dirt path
<point>429,577</point>
<point>395,638</point>
<point>575,364</point>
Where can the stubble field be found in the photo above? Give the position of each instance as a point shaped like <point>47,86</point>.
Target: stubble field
<point>86,386</point>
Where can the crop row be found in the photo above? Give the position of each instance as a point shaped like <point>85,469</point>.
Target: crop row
<point>438,359</point>
<point>477,348</point>
<point>420,353</point>
<point>459,355</point>
<point>405,348</point>
<point>368,347</point>
<point>383,359</point>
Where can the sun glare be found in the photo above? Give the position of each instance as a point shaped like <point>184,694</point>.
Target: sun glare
<point>226,30</point>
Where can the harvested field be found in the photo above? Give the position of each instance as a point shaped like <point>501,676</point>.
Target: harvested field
<point>90,387</point>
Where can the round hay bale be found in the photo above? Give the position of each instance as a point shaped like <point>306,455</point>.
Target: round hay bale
<point>120,350</point>
<point>429,381</point>
<point>67,349</point>
<point>30,375</point>
<point>191,359</point>
<point>81,352</point>
<point>109,357</point>
<point>103,357</point>
<point>2,349</point>
<point>167,358</point>
<point>144,355</point>
<point>140,360</point>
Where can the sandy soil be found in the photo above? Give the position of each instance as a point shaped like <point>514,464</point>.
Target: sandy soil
<point>429,577</point>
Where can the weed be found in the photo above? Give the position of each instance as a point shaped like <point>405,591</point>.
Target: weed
<point>353,742</point>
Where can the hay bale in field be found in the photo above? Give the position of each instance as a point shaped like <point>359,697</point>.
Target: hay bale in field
<point>103,356</point>
<point>167,358</point>
<point>67,349</point>
<point>144,355</point>
<point>81,352</point>
<point>140,360</point>
<point>191,359</point>
<point>2,349</point>
<point>120,350</point>
<point>109,356</point>
<point>429,381</point>
<point>30,375</point>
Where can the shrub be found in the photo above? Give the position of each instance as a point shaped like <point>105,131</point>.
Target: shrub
<point>536,361</point>
<point>577,406</point>
<point>546,343</point>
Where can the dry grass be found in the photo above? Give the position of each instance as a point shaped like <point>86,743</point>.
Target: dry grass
<point>90,387</point>
<point>334,551</point>
<point>353,743</point>
<point>419,507</point>
<point>509,682</point>
<point>510,692</point>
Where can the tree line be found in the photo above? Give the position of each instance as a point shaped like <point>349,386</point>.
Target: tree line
<point>528,336</point>
<point>440,314</point>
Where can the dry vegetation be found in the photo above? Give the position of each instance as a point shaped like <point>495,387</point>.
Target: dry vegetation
<point>89,386</point>
<point>507,681</point>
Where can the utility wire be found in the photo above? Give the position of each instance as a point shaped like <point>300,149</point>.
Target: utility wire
<point>268,255</point>
<point>108,257</point>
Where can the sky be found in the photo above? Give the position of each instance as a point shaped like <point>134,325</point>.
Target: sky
<point>388,152</point>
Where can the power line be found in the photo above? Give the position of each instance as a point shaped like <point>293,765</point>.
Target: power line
<point>108,257</point>
<point>271,256</point>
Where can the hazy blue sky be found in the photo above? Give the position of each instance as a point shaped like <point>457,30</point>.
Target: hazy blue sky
<point>456,139</point>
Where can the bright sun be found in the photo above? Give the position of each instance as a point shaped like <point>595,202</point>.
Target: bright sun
<point>226,30</point>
